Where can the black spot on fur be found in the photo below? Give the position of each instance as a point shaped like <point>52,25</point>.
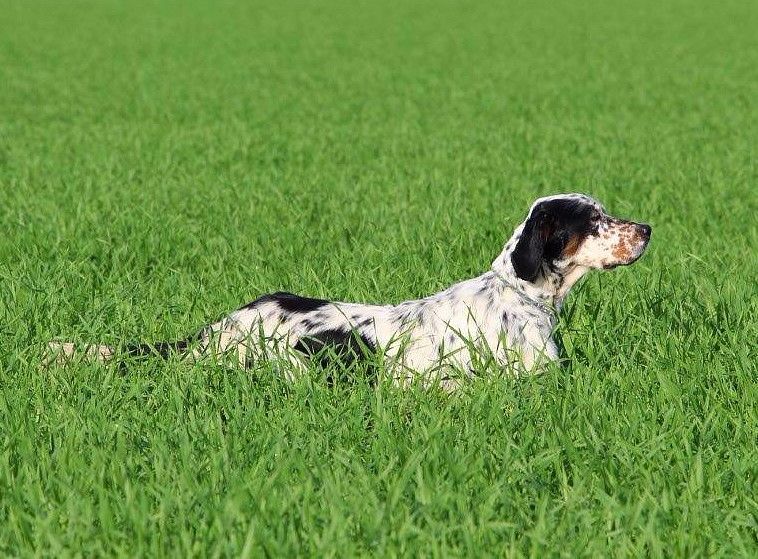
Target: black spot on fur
<point>296,304</point>
<point>347,345</point>
<point>310,324</point>
<point>289,302</point>
<point>341,348</point>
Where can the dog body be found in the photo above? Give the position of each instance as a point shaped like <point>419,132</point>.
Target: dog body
<point>508,314</point>
<point>440,335</point>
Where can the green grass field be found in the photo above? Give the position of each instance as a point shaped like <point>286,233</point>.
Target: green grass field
<point>162,163</point>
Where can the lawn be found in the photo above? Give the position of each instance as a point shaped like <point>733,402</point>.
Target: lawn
<point>162,163</point>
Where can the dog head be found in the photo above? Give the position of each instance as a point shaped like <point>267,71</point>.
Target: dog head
<point>572,231</point>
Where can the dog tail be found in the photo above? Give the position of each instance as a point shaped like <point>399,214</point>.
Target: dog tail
<point>59,354</point>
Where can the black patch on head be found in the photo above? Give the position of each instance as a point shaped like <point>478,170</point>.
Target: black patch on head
<point>289,302</point>
<point>549,227</point>
<point>341,348</point>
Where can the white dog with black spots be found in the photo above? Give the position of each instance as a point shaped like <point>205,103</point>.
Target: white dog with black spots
<point>508,314</point>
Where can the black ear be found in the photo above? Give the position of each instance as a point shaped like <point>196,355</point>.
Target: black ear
<point>530,249</point>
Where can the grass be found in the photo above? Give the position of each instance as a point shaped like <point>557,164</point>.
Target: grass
<point>163,162</point>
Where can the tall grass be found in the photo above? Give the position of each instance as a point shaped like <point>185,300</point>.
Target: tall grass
<point>163,162</point>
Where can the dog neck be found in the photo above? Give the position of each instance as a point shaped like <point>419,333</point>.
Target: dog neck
<point>551,285</point>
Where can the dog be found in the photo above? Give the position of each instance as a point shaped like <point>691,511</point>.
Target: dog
<point>506,315</point>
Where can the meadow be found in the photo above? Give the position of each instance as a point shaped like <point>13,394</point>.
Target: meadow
<point>162,163</point>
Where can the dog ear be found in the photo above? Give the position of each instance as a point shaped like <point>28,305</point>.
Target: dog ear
<point>530,249</point>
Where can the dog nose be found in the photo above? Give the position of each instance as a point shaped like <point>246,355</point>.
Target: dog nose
<point>645,230</point>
